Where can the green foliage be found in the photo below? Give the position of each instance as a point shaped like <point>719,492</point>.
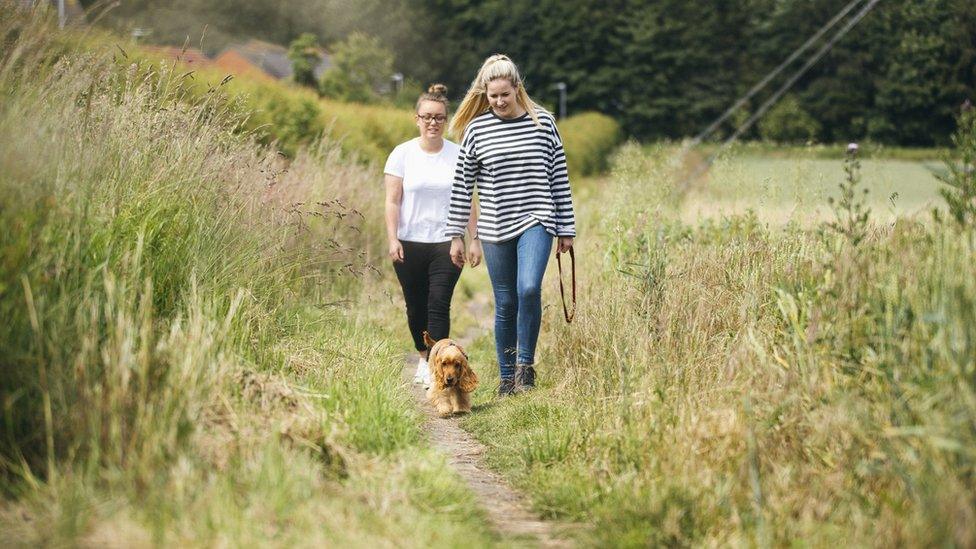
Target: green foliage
<point>406,98</point>
<point>304,55</point>
<point>663,68</point>
<point>668,68</point>
<point>361,69</point>
<point>787,122</point>
<point>960,173</point>
<point>589,140</point>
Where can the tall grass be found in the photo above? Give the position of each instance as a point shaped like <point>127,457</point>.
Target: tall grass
<point>727,383</point>
<point>181,357</point>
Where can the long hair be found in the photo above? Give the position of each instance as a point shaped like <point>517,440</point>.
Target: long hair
<point>476,100</point>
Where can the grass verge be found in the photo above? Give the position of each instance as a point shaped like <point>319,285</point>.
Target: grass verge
<point>186,353</point>
<point>729,383</point>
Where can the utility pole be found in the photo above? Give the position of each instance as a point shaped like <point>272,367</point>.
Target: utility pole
<point>561,86</point>
<point>61,14</point>
<point>397,79</point>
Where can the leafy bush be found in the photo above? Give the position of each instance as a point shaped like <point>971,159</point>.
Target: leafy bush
<point>589,139</point>
<point>788,122</point>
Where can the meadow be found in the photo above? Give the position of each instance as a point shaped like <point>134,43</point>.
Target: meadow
<point>796,188</point>
<point>202,342</point>
<point>731,379</point>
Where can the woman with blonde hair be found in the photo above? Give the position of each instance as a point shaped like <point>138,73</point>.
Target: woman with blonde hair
<point>419,176</point>
<point>512,154</point>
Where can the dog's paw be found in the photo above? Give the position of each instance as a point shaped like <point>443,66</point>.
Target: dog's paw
<point>444,411</point>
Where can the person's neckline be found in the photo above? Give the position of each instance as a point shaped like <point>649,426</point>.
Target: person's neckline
<point>516,119</point>
<point>428,153</point>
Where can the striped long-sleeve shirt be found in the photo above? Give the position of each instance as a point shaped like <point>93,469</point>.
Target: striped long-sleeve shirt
<point>519,169</point>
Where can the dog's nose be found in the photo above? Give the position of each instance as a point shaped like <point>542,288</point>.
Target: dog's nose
<point>450,380</point>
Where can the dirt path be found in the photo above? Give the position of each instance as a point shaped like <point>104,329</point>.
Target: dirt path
<point>506,508</point>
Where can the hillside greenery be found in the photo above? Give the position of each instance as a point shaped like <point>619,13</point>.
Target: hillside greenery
<point>664,68</point>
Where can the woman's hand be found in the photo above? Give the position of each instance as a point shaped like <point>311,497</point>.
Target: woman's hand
<point>396,251</point>
<point>564,244</point>
<point>457,251</point>
<point>474,252</point>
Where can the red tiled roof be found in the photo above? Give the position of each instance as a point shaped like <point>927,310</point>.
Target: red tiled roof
<point>233,62</point>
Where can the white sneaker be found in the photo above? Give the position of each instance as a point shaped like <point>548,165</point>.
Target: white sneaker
<point>422,372</point>
<point>426,376</point>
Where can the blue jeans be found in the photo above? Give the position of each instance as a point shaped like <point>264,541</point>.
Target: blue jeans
<point>516,268</point>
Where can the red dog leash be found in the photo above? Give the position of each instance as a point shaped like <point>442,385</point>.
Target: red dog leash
<point>562,292</point>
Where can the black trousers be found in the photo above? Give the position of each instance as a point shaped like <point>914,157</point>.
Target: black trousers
<point>427,277</point>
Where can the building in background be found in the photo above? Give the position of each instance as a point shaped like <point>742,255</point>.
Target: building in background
<point>256,57</point>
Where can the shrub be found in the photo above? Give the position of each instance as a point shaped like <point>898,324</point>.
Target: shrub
<point>304,55</point>
<point>788,122</point>
<point>589,139</point>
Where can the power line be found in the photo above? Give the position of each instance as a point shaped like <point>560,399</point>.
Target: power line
<point>783,89</point>
<point>775,72</point>
<point>803,70</point>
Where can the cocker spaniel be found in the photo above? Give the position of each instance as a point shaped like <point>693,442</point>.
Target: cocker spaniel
<point>453,379</point>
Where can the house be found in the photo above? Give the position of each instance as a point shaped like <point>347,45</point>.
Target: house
<point>256,57</point>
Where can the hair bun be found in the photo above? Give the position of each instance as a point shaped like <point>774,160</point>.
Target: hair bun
<point>440,89</point>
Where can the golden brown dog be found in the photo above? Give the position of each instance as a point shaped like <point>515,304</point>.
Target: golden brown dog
<point>453,379</point>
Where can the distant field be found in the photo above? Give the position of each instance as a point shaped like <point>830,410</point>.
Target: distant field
<point>796,188</point>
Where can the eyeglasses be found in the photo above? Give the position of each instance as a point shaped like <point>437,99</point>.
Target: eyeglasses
<point>440,118</point>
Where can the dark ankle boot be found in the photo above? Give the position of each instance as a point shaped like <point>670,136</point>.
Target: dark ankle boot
<point>524,378</point>
<point>506,387</point>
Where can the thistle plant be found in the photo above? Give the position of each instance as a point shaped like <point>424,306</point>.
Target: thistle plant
<point>850,210</point>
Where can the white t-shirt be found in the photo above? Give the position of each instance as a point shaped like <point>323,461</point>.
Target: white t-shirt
<point>427,180</point>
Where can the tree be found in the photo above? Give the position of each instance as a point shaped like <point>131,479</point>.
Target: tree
<point>361,69</point>
<point>304,55</point>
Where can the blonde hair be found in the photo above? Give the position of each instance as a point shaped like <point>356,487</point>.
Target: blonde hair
<point>476,100</point>
<point>436,92</point>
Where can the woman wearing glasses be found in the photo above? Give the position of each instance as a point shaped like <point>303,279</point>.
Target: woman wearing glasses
<point>512,152</point>
<point>419,175</point>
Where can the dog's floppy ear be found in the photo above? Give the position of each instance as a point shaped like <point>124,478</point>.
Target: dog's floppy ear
<point>438,373</point>
<point>428,341</point>
<point>469,379</point>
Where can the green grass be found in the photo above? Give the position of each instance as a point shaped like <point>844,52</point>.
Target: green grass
<point>785,189</point>
<point>730,382</point>
<point>198,351</point>
<point>188,352</point>
<point>836,151</point>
